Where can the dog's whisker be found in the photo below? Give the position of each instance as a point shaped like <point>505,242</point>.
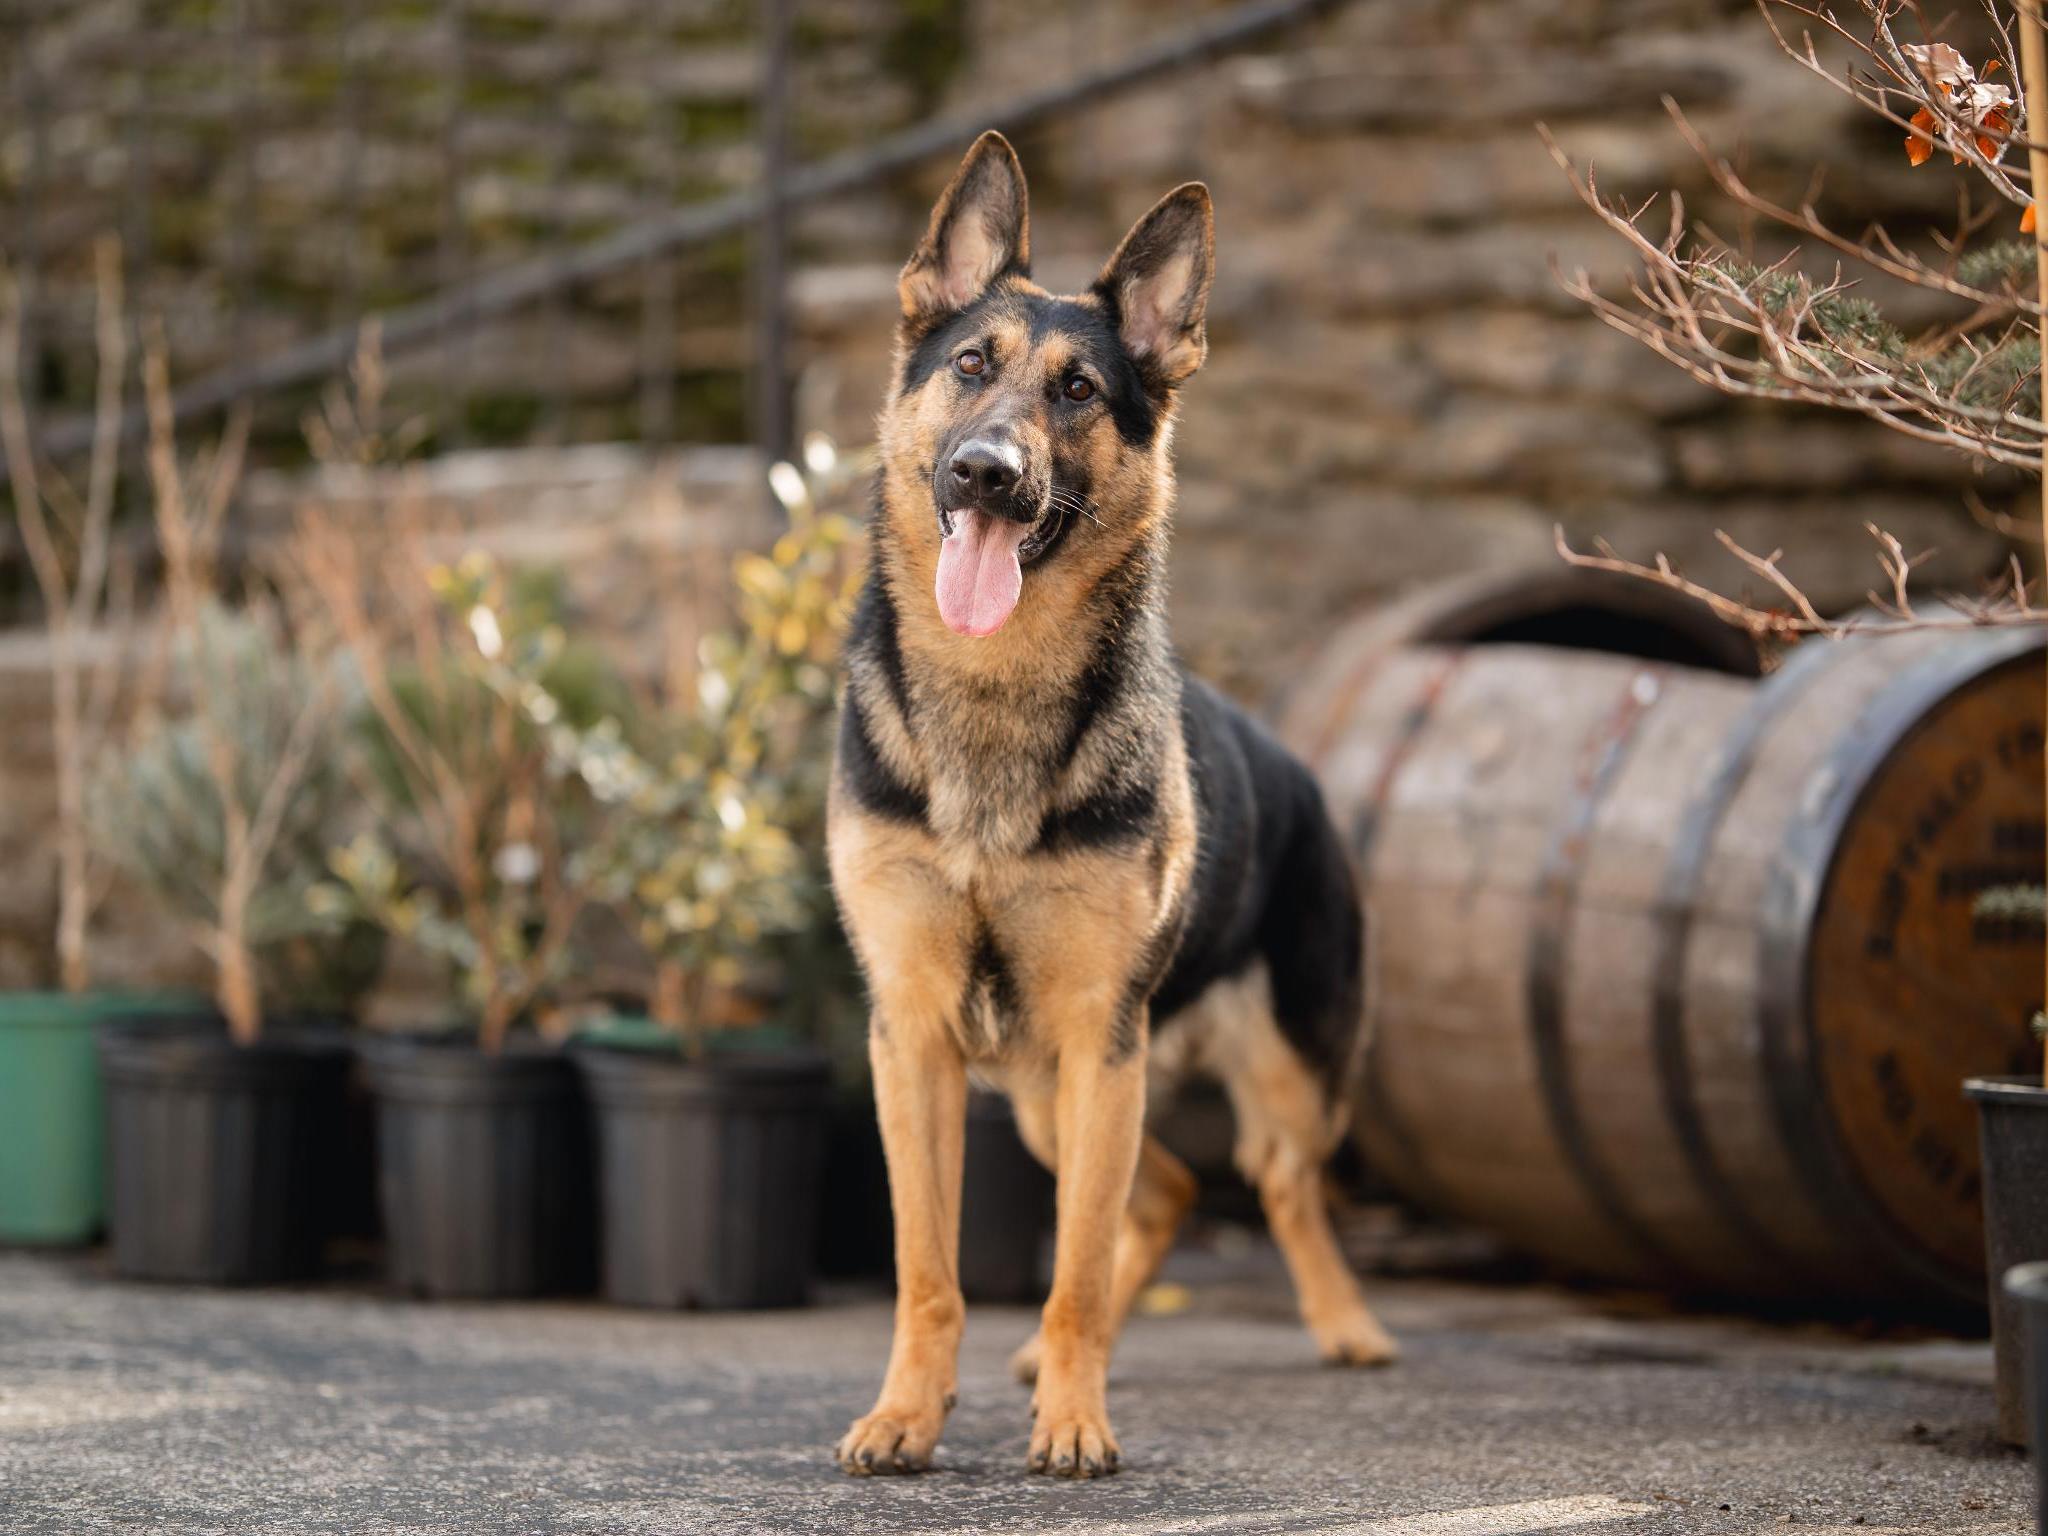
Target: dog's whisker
<point>1073,501</point>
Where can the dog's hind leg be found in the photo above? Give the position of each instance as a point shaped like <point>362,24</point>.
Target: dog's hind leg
<point>1290,1184</point>
<point>1161,1195</point>
<point>1286,1128</point>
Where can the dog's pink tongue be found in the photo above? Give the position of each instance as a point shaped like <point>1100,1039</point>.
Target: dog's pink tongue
<point>979,577</point>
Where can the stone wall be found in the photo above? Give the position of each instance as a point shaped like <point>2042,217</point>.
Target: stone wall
<point>1397,388</point>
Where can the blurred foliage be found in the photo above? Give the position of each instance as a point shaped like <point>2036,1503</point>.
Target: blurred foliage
<point>451,702</point>
<point>711,845</point>
<point>2001,264</point>
<point>468,857</point>
<point>156,812</point>
<point>926,48</point>
<point>1852,336</point>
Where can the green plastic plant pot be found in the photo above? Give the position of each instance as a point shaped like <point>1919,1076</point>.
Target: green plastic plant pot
<point>52,1121</point>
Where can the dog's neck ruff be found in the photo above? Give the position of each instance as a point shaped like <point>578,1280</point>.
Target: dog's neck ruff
<point>995,739</point>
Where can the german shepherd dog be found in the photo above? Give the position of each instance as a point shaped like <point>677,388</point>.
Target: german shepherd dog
<point>1047,841</point>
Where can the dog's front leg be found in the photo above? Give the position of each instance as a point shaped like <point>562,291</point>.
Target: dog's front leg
<point>1100,1112</point>
<point>921,1097</point>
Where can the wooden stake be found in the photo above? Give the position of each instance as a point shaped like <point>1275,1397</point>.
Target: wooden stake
<point>2034,70</point>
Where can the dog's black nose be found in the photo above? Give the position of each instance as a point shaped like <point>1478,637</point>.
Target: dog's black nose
<point>985,471</point>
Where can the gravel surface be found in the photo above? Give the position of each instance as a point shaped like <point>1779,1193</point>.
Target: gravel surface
<point>1515,1409</point>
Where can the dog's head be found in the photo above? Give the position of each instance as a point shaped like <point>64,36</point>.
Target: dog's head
<point>1028,431</point>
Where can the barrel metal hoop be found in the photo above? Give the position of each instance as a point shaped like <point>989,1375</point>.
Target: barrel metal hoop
<point>1557,888</point>
<point>1365,825</point>
<point>1799,874</point>
<point>1356,678</point>
<point>1677,904</point>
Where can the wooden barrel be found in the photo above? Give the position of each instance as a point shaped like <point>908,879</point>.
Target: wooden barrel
<point>1676,973</point>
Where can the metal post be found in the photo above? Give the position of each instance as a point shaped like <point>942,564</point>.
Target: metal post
<point>453,407</point>
<point>348,302</point>
<point>657,363</point>
<point>562,140</point>
<point>245,65</point>
<point>658,351</point>
<point>771,239</point>
<point>138,174</point>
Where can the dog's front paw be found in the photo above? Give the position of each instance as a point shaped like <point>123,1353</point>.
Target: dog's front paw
<point>1354,1339</point>
<point>890,1440</point>
<point>1074,1445</point>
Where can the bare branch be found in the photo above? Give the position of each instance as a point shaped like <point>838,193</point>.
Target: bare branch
<point>1774,333</point>
<point>1802,616</point>
<point>1897,88</point>
<point>1881,256</point>
<point>1766,566</point>
<point>72,592</point>
<point>96,518</point>
<point>23,469</point>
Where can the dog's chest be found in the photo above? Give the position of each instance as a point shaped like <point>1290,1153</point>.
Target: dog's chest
<point>991,774</point>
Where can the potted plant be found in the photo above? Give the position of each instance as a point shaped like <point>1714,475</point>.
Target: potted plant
<point>220,1133</point>
<point>711,1127</point>
<point>226,1127</point>
<point>51,1108</point>
<point>483,1148</point>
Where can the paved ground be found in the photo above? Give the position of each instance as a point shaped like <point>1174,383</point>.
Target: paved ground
<point>1516,1410</point>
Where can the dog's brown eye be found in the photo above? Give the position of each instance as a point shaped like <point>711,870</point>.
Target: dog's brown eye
<point>969,362</point>
<point>1079,388</point>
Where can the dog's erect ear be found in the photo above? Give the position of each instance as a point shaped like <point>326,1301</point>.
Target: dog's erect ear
<point>1159,282</point>
<point>980,229</point>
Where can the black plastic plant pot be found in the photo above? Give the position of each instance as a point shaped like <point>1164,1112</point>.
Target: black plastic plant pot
<point>214,1150</point>
<point>2012,1124</point>
<point>854,1235</point>
<point>2027,1285</point>
<point>1006,1208</point>
<point>345,1159</point>
<point>710,1172</point>
<point>347,1165</point>
<point>483,1168</point>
